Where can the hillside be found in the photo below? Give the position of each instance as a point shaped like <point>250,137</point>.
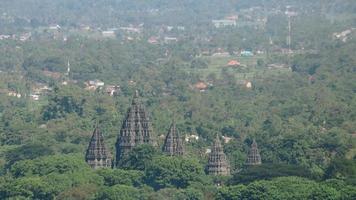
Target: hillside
<point>243,112</point>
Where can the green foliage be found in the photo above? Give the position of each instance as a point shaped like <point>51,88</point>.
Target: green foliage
<point>342,169</point>
<point>47,177</point>
<point>29,187</point>
<point>119,192</point>
<point>178,172</point>
<point>307,64</point>
<point>60,105</point>
<point>281,188</point>
<point>80,192</point>
<point>139,157</point>
<point>46,165</point>
<point>303,117</point>
<point>27,151</point>
<point>347,191</point>
<point>178,194</point>
<point>268,171</point>
<point>231,192</point>
<point>122,177</point>
<point>198,63</point>
<point>192,194</point>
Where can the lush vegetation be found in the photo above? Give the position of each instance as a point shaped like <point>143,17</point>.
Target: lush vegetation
<point>300,107</point>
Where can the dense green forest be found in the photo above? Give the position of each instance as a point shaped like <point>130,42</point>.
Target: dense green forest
<point>296,100</point>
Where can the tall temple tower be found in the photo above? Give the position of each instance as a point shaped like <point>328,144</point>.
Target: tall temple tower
<point>173,144</point>
<point>218,164</point>
<point>97,155</point>
<point>254,157</point>
<point>136,129</point>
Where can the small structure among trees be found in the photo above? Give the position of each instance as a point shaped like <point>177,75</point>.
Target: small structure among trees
<point>173,144</point>
<point>97,155</point>
<point>254,157</point>
<point>218,164</point>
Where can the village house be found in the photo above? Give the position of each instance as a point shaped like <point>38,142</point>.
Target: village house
<point>180,28</point>
<point>129,38</point>
<point>132,82</point>
<point>233,63</point>
<point>96,83</point>
<point>153,40</point>
<point>170,39</point>
<point>201,86</point>
<point>260,52</point>
<point>343,36</point>
<point>14,94</point>
<point>232,17</point>
<point>191,138</point>
<point>92,85</point>
<point>223,23</point>
<point>112,90</point>
<point>131,29</point>
<point>108,34</point>
<point>246,53</point>
<point>169,28</point>
<point>248,84</point>
<point>25,36</point>
<point>39,89</point>
<point>35,97</point>
<point>277,66</point>
<point>55,27</point>
<point>221,54</point>
<point>226,139</point>
<point>84,27</point>
<point>3,37</point>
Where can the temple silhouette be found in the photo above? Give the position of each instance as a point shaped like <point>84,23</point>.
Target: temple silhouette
<point>97,155</point>
<point>217,163</point>
<point>137,129</point>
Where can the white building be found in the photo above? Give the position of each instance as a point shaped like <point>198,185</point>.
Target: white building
<point>108,34</point>
<point>223,23</point>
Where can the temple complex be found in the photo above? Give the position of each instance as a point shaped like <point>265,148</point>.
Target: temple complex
<point>218,164</point>
<point>254,157</point>
<point>173,144</point>
<point>136,129</point>
<point>97,155</point>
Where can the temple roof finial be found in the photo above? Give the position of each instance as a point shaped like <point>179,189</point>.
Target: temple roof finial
<point>137,94</point>
<point>135,99</point>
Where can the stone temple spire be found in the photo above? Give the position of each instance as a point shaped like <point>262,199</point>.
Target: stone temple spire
<point>218,164</point>
<point>173,144</point>
<point>136,129</point>
<point>97,155</point>
<point>254,157</point>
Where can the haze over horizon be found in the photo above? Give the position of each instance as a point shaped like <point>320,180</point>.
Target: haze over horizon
<point>188,99</point>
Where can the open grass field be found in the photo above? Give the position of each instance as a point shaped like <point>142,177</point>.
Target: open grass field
<point>247,71</point>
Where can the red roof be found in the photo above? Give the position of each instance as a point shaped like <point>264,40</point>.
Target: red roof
<point>201,85</point>
<point>233,63</point>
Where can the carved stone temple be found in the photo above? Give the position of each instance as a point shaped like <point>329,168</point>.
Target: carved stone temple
<point>136,129</point>
<point>97,155</point>
<point>173,144</point>
<point>218,164</point>
<point>254,157</point>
